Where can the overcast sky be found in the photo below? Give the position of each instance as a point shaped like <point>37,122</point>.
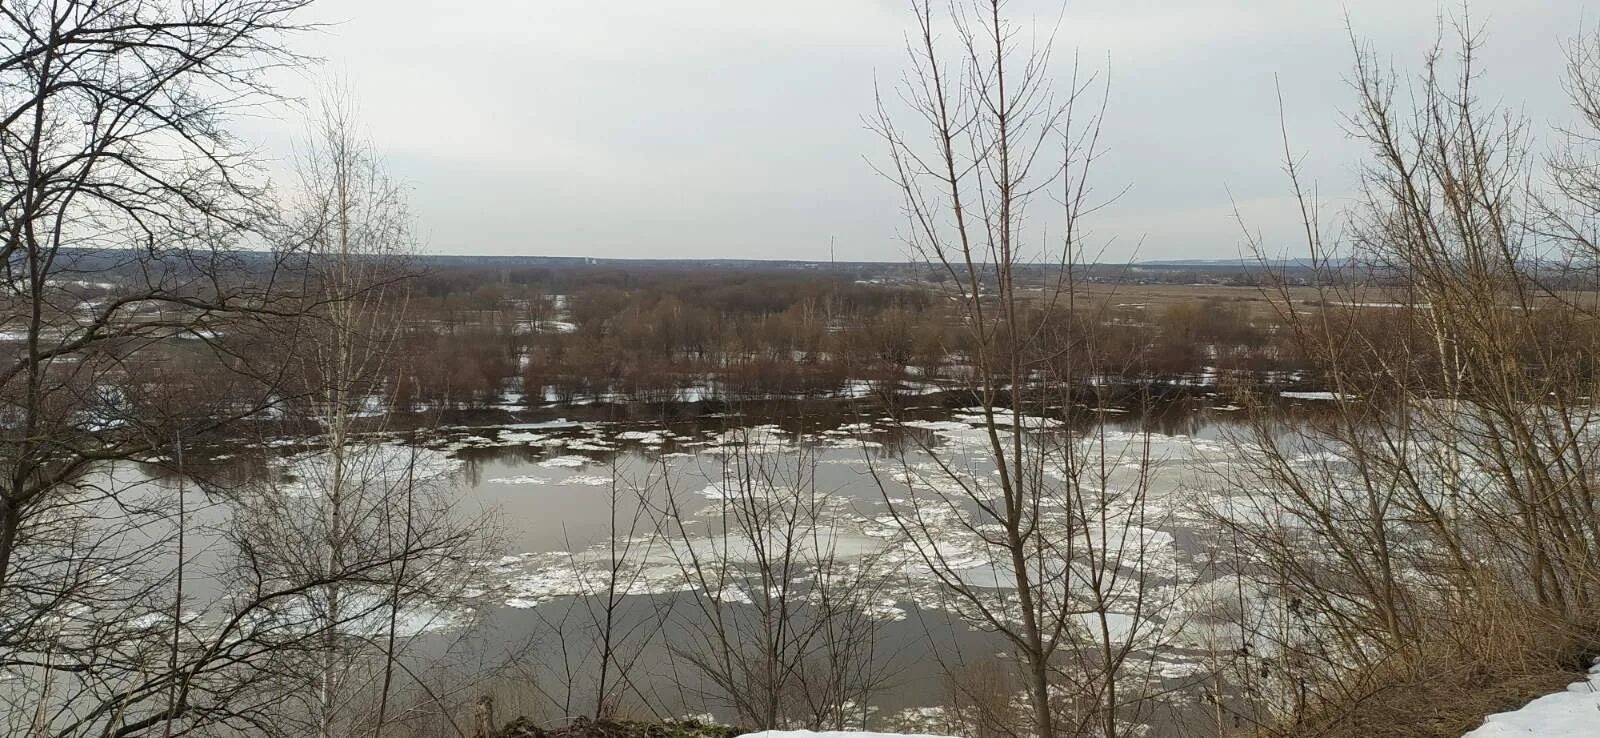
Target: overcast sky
<point>733,128</point>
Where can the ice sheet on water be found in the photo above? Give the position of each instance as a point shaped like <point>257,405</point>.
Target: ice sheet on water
<point>754,439</point>
<point>959,434</point>
<point>850,428</point>
<point>587,480</point>
<point>360,613</point>
<point>1120,626</point>
<point>834,734</point>
<point>546,577</point>
<point>159,620</point>
<point>648,438</point>
<point>469,441</point>
<point>527,437</point>
<point>1317,457</point>
<point>544,425</point>
<point>938,425</point>
<point>1171,668</point>
<point>733,490</point>
<point>928,477</point>
<point>520,479</point>
<point>530,434</point>
<point>864,528</point>
<point>1004,418</point>
<point>565,462</point>
<point>1323,395</point>
<point>852,443</point>
<point>379,464</point>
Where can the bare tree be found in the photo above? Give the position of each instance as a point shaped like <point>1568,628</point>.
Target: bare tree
<point>782,623</point>
<point>1051,512</point>
<point>604,635</point>
<point>115,160</point>
<point>1439,508</point>
<point>365,528</point>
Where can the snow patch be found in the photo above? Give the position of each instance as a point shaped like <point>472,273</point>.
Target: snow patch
<point>1574,713</point>
<point>833,734</point>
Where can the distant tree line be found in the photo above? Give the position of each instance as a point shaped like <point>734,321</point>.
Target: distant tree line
<point>669,334</point>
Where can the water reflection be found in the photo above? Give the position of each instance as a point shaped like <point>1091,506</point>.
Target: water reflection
<point>562,491</point>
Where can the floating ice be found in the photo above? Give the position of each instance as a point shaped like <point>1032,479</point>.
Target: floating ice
<point>522,479</point>
<point>1312,395</point>
<point>648,438</point>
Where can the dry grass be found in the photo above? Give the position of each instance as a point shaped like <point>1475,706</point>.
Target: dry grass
<point>1446,704</point>
<point>1154,298</point>
<point>1266,302</point>
<point>1490,657</point>
<point>981,697</point>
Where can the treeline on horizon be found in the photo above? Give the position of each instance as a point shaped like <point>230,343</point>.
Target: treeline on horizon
<point>444,274</point>
<point>476,337</point>
<point>566,334</point>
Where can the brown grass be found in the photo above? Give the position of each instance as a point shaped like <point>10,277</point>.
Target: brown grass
<point>1488,658</point>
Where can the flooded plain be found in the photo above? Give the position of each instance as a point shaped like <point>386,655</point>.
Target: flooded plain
<point>652,516</point>
<point>643,566</point>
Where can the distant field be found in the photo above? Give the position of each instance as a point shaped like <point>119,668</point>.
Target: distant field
<point>1156,297</point>
<point>1265,301</point>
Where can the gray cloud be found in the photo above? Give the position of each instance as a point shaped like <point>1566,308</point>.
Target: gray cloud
<point>712,128</point>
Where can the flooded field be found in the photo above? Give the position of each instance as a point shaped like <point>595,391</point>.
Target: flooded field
<point>661,568</point>
<point>633,527</point>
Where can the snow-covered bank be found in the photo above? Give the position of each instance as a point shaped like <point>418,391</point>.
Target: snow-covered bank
<point>833,734</point>
<point>1574,713</point>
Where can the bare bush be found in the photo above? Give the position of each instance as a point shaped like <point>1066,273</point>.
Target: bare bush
<point>782,622</point>
<point>1445,491</point>
<point>1051,518</point>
